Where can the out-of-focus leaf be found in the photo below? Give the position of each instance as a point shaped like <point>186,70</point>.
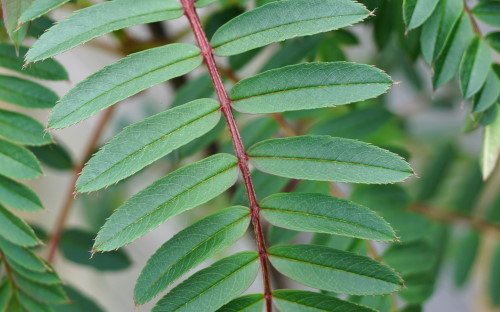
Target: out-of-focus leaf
<point>77,302</point>
<point>488,12</point>
<point>293,52</point>
<point>474,67</point>
<point>197,88</point>
<point>247,303</point>
<point>465,256</point>
<point>18,196</point>
<point>411,258</point>
<point>26,93</point>
<point>53,294</point>
<point>491,147</point>
<point>22,129</point>
<point>53,155</point>
<point>12,10</point>
<point>493,38</point>
<point>416,12</point>
<point>15,230</point>
<point>494,278</point>
<point>22,256</point>
<point>435,171</point>
<point>17,162</point>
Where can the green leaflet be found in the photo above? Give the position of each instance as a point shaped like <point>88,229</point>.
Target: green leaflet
<point>411,258</point>
<point>183,189</point>
<point>203,3</point>
<point>283,20</point>
<point>433,174</point>
<point>356,124</point>
<point>22,256</point>
<point>5,294</point>
<point>189,248</point>
<point>416,12</point>
<point>17,162</point>
<point>77,302</point>
<point>248,303</point>
<point>446,65</point>
<point>465,256</point>
<point>334,270</point>
<point>48,69</point>
<point>147,141</point>
<point>41,292</point>
<point>48,277</point>
<point>474,68</point>
<point>31,304</point>
<point>26,93</point>
<point>18,196</point>
<point>211,288</point>
<point>494,279</point>
<point>325,158</point>
<point>12,10</point>
<point>488,12</point>
<point>437,30</point>
<point>83,25</point>
<point>122,79</point>
<point>308,86</point>
<point>493,39</point>
<point>39,26</point>
<point>15,229</point>
<point>53,155</point>
<point>76,245</point>
<point>312,212</point>
<point>39,8</point>
<point>419,287</point>
<point>22,129</point>
<point>489,94</point>
<point>308,301</point>
<point>491,147</point>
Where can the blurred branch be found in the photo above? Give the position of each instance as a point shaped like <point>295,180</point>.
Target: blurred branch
<point>473,21</point>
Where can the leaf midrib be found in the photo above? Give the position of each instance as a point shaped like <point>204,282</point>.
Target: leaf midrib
<point>19,129</point>
<point>59,120</point>
<point>17,161</point>
<point>324,217</point>
<point>152,143</point>
<point>209,238</point>
<point>18,194</point>
<point>28,71</point>
<point>25,95</point>
<point>330,268</point>
<point>168,201</point>
<point>286,24</point>
<point>327,160</point>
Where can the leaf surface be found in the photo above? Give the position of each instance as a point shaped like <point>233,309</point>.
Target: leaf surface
<point>211,288</point>
<point>15,230</point>
<point>98,20</point>
<point>312,212</point>
<point>147,141</point>
<point>334,270</point>
<point>493,39</point>
<point>474,67</point>
<point>53,155</point>
<point>41,292</point>
<point>48,277</point>
<point>189,248</point>
<point>48,69</point>
<point>489,94</point>
<point>26,93</point>
<point>17,162</point>
<point>123,79</point>
<point>22,256</point>
<point>416,12</point>
<point>308,301</point>
<point>491,147</point>
<point>183,189</point>
<point>488,12</point>
<point>18,196</point>
<point>325,158</point>
<point>39,8</point>
<point>283,20</point>
<point>247,303</point>
<point>22,129</point>
<point>11,11</point>
<point>308,86</point>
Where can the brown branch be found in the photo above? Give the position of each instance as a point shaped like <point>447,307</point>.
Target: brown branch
<point>225,105</point>
<point>70,197</point>
<point>475,26</point>
<point>451,217</point>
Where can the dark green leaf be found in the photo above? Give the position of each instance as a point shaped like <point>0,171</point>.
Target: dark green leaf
<point>488,12</point>
<point>18,196</point>
<point>308,86</point>
<point>83,25</point>
<point>53,155</point>
<point>15,230</point>
<point>411,258</point>
<point>281,20</point>
<point>122,79</point>
<point>248,303</point>
<point>311,212</point>
<point>493,39</point>
<point>494,278</point>
<point>41,292</point>
<point>293,52</point>
<point>78,302</point>
<point>465,256</point>
<point>22,129</point>
<point>48,69</point>
<point>334,270</point>
<point>307,301</point>
<point>327,158</point>
<point>474,67</point>
<point>189,248</point>
<point>26,93</point>
<point>180,190</point>
<point>211,288</point>
<point>199,87</point>
<point>147,141</point>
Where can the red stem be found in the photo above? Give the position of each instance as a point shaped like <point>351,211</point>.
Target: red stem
<point>225,105</point>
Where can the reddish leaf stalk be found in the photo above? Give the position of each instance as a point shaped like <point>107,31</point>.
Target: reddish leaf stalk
<point>225,105</point>
<point>55,238</point>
